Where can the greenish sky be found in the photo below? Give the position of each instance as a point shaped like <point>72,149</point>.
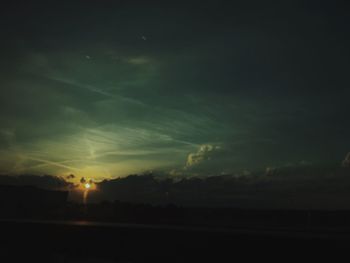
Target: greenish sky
<point>196,88</point>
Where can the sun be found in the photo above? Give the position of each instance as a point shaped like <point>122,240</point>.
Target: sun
<point>87,186</point>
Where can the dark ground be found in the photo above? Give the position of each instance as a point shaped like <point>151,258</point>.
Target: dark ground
<point>85,242</point>
<point>145,233</point>
<point>47,228</point>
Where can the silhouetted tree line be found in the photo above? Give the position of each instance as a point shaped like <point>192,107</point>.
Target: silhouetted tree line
<point>292,196</point>
<point>305,187</point>
<point>35,203</point>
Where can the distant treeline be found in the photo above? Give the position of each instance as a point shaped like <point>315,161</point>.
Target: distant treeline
<point>305,187</point>
<point>291,187</point>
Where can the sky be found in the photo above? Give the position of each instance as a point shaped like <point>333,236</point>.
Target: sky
<point>104,89</point>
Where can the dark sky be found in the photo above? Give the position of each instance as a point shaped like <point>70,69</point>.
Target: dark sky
<point>108,88</point>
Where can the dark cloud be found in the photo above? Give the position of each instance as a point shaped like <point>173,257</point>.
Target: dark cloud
<point>70,176</point>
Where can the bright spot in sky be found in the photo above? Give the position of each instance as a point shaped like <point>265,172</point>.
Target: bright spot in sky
<point>87,186</point>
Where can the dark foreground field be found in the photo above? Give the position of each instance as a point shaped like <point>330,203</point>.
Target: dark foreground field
<point>41,226</point>
<point>79,241</point>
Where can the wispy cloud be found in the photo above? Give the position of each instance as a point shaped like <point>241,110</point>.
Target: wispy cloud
<point>94,89</point>
<point>51,163</point>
